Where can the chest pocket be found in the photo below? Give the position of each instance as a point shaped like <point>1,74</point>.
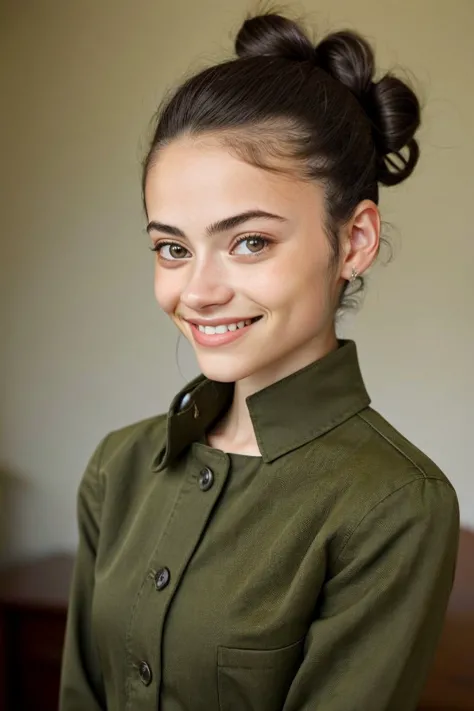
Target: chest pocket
<point>256,679</point>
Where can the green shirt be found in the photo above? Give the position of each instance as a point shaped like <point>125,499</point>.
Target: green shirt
<point>312,578</point>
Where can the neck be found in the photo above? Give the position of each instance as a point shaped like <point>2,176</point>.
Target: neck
<point>236,426</point>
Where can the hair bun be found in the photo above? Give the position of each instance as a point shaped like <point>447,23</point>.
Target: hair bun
<point>273,35</point>
<point>349,58</point>
<point>390,104</point>
<point>396,116</point>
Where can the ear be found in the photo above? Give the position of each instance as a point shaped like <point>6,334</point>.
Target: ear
<point>361,239</point>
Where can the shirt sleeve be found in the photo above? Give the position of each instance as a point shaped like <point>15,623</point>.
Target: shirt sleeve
<point>81,687</point>
<point>381,613</point>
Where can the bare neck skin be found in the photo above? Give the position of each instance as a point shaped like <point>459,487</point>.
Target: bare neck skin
<point>234,433</point>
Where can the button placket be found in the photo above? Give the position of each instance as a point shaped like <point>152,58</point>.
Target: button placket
<point>175,547</point>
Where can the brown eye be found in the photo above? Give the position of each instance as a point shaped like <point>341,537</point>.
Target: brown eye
<point>171,251</point>
<point>251,245</point>
<point>177,251</point>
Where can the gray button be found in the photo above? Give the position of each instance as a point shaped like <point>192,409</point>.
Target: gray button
<point>206,479</point>
<point>185,400</point>
<point>145,673</point>
<point>162,578</point>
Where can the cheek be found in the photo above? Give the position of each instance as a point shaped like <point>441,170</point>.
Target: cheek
<point>167,289</point>
<point>293,282</point>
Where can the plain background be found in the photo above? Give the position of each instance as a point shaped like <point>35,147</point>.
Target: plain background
<point>84,349</point>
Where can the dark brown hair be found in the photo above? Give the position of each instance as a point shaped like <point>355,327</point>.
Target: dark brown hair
<point>286,104</point>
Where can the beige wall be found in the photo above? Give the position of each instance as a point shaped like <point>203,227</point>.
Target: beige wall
<point>83,347</point>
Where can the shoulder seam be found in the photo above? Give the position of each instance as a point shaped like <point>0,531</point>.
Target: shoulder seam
<point>395,446</point>
<point>143,425</point>
<point>100,471</point>
<point>92,483</point>
<point>425,478</point>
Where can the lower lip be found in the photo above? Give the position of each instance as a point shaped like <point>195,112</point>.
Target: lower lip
<point>218,339</point>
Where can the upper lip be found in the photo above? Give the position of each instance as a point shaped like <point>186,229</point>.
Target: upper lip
<point>218,321</point>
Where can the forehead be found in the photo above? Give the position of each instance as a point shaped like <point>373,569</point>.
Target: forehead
<point>199,177</point>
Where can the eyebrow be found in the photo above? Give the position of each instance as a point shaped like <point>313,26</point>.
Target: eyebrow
<point>228,223</point>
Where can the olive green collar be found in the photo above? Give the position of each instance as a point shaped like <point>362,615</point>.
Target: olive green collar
<point>285,415</point>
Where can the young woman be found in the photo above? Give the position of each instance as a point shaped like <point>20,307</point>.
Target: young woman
<point>271,543</point>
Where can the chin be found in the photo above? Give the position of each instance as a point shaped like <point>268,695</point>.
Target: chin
<point>226,369</point>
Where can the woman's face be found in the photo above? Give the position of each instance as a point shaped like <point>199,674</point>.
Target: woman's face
<point>243,266</point>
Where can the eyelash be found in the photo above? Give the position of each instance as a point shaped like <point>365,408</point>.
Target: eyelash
<point>168,243</point>
<point>158,245</point>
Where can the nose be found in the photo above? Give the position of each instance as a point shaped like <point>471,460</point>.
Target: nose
<point>207,287</point>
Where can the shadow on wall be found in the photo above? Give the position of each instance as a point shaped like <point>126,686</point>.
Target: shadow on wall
<point>12,488</point>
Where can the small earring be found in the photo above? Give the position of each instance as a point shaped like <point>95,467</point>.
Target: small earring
<point>354,275</point>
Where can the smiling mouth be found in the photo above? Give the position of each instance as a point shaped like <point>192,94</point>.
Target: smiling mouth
<point>225,327</point>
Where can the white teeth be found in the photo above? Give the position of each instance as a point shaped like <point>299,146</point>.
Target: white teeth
<point>223,328</point>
